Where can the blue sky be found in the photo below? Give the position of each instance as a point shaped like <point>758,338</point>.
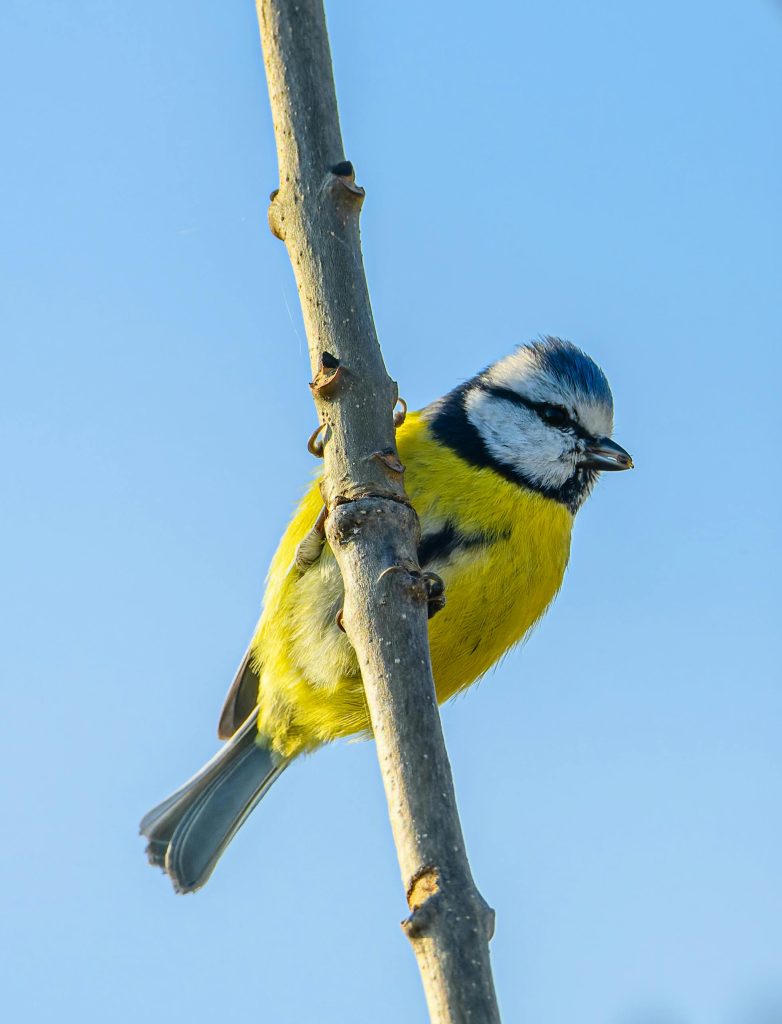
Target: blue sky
<point>606,172</point>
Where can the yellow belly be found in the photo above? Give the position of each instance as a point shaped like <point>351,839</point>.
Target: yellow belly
<point>496,589</point>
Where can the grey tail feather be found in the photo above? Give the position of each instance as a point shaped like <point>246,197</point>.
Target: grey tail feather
<point>189,830</point>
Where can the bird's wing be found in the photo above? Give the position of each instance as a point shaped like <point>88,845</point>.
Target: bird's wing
<point>241,698</point>
<point>299,549</point>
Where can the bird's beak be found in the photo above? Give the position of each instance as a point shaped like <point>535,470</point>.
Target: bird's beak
<point>604,454</point>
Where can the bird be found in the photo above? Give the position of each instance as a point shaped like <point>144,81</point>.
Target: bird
<point>497,470</point>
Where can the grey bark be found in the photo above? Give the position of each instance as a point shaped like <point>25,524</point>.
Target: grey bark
<point>369,522</point>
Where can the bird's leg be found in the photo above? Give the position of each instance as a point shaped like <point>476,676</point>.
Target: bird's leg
<point>401,414</point>
<point>430,583</point>
<point>315,442</point>
<point>309,550</point>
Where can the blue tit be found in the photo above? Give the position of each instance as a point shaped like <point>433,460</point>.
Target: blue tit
<point>497,470</point>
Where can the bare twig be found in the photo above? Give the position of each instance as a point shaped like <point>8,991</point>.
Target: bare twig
<point>369,524</point>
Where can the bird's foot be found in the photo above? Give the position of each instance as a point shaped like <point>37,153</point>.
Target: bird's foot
<point>435,592</point>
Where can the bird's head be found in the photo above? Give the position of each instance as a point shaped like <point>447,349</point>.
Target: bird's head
<point>541,416</point>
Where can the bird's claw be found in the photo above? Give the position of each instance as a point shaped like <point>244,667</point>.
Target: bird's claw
<point>435,592</point>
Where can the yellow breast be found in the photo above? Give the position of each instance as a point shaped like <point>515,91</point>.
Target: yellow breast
<point>500,549</point>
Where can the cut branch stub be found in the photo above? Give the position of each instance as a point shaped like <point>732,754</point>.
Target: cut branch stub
<point>390,460</point>
<point>344,176</point>
<point>423,885</point>
<point>328,376</point>
<point>422,893</point>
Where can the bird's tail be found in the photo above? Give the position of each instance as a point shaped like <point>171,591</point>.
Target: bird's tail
<point>189,830</point>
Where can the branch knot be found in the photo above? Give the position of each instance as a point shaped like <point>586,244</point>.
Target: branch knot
<point>276,216</point>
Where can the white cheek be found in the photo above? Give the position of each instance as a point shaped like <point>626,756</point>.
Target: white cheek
<point>546,456</point>
<point>518,438</point>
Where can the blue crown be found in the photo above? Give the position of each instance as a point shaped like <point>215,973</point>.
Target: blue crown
<point>565,361</point>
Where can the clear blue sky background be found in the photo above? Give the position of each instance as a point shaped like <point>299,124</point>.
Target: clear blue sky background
<point>608,172</point>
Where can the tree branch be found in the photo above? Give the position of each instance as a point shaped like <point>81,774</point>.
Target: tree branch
<point>370,524</point>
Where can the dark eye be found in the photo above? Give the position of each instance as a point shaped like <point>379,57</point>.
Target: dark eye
<point>554,415</point>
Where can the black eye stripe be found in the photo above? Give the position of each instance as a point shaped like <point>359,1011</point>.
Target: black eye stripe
<point>556,415</point>
<point>451,426</point>
<point>509,395</point>
<point>537,407</point>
